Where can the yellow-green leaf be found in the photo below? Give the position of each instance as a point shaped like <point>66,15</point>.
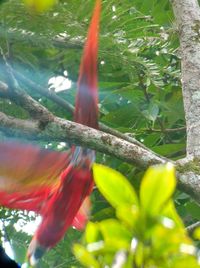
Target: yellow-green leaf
<point>84,256</point>
<point>40,5</point>
<point>129,215</point>
<point>91,232</point>
<point>170,211</point>
<point>196,233</point>
<point>115,234</point>
<point>114,186</point>
<point>157,187</point>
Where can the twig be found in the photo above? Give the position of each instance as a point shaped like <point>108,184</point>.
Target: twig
<point>167,130</point>
<point>47,93</point>
<point>12,81</point>
<point>30,38</point>
<point>192,227</point>
<point>3,88</point>
<point>20,97</point>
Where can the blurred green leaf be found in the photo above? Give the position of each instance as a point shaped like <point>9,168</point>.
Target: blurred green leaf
<point>114,186</point>
<point>196,233</point>
<point>116,236</point>
<point>169,149</point>
<point>40,6</point>
<point>152,112</point>
<point>157,187</point>
<point>170,211</point>
<point>85,257</point>
<point>128,215</point>
<point>91,232</point>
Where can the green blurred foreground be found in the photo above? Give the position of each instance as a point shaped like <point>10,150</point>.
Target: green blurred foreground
<point>147,231</point>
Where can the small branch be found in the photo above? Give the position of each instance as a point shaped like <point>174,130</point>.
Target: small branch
<point>3,88</point>
<point>192,227</point>
<point>44,92</point>
<point>11,81</point>
<point>166,130</point>
<point>20,97</point>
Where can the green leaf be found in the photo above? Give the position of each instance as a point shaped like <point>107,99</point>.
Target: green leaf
<point>128,215</point>
<point>84,256</point>
<point>157,187</point>
<point>40,6</point>
<point>115,234</point>
<point>169,149</point>
<point>91,232</point>
<point>196,233</point>
<point>193,209</point>
<point>152,112</point>
<point>170,211</point>
<point>114,186</point>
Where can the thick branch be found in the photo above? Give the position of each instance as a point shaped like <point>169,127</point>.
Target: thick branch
<point>26,126</point>
<point>187,13</point>
<point>35,109</point>
<point>63,130</point>
<point>60,129</point>
<point>189,182</point>
<point>107,143</point>
<point>66,105</point>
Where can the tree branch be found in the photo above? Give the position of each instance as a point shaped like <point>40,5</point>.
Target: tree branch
<point>192,227</point>
<point>20,97</point>
<point>70,108</point>
<point>63,130</point>
<point>60,129</point>
<point>166,130</point>
<point>26,126</point>
<point>187,14</point>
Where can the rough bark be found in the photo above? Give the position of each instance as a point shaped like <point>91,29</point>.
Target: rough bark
<point>63,130</point>
<point>187,14</point>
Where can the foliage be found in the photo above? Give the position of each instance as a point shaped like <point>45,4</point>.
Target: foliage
<point>146,232</point>
<point>139,84</point>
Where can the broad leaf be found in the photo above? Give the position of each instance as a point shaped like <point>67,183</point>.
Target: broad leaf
<point>114,186</point>
<point>84,256</point>
<point>157,187</point>
<point>91,232</point>
<point>40,6</point>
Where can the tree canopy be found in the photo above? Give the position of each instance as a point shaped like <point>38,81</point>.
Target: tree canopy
<point>140,96</point>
